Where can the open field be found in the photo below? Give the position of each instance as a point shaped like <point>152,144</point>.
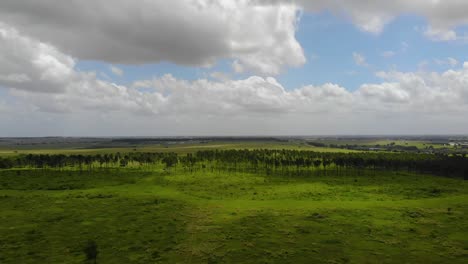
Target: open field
<point>137,216</point>
<point>184,145</point>
<point>180,148</point>
<point>383,142</point>
<point>230,202</point>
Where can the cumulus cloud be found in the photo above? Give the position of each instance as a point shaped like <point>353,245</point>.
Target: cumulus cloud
<point>15,78</point>
<point>257,35</point>
<point>31,65</point>
<point>251,102</point>
<point>116,70</point>
<point>256,103</point>
<point>46,85</point>
<point>260,38</point>
<point>372,16</point>
<point>54,85</point>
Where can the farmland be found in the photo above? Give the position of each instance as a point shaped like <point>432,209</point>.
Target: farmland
<point>210,203</point>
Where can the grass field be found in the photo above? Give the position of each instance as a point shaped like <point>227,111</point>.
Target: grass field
<point>137,216</point>
<point>420,144</point>
<point>177,148</point>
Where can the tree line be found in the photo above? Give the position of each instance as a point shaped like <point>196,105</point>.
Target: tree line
<point>259,159</point>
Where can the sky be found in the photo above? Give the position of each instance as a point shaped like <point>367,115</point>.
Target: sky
<point>233,67</point>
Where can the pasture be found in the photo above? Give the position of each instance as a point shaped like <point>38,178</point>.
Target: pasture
<point>159,215</point>
<point>179,148</point>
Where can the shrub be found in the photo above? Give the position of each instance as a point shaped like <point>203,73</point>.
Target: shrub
<point>91,251</point>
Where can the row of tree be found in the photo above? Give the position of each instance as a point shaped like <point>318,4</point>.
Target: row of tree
<point>260,159</point>
<point>87,161</point>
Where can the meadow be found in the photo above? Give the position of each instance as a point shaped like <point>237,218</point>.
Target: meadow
<point>159,148</point>
<point>177,214</point>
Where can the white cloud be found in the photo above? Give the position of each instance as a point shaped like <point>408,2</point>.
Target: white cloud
<point>59,95</point>
<point>253,104</point>
<point>422,65</point>
<point>258,35</point>
<point>31,65</point>
<point>116,70</point>
<point>452,62</point>
<point>372,16</point>
<point>388,54</point>
<point>220,76</point>
<point>440,34</point>
<point>261,38</point>
<point>359,59</point>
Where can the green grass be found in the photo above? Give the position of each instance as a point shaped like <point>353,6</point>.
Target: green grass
<point>177,148</point>
<point>138,216</point>
<point>420,144</point>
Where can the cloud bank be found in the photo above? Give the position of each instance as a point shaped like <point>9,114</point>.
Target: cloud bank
<point>42,92</point>
<point>43,81</point>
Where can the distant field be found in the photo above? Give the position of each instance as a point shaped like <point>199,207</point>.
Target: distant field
<point>138,216</point>
<point>383,142</point>
<point>91,146</point>
<point>180,148</point>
